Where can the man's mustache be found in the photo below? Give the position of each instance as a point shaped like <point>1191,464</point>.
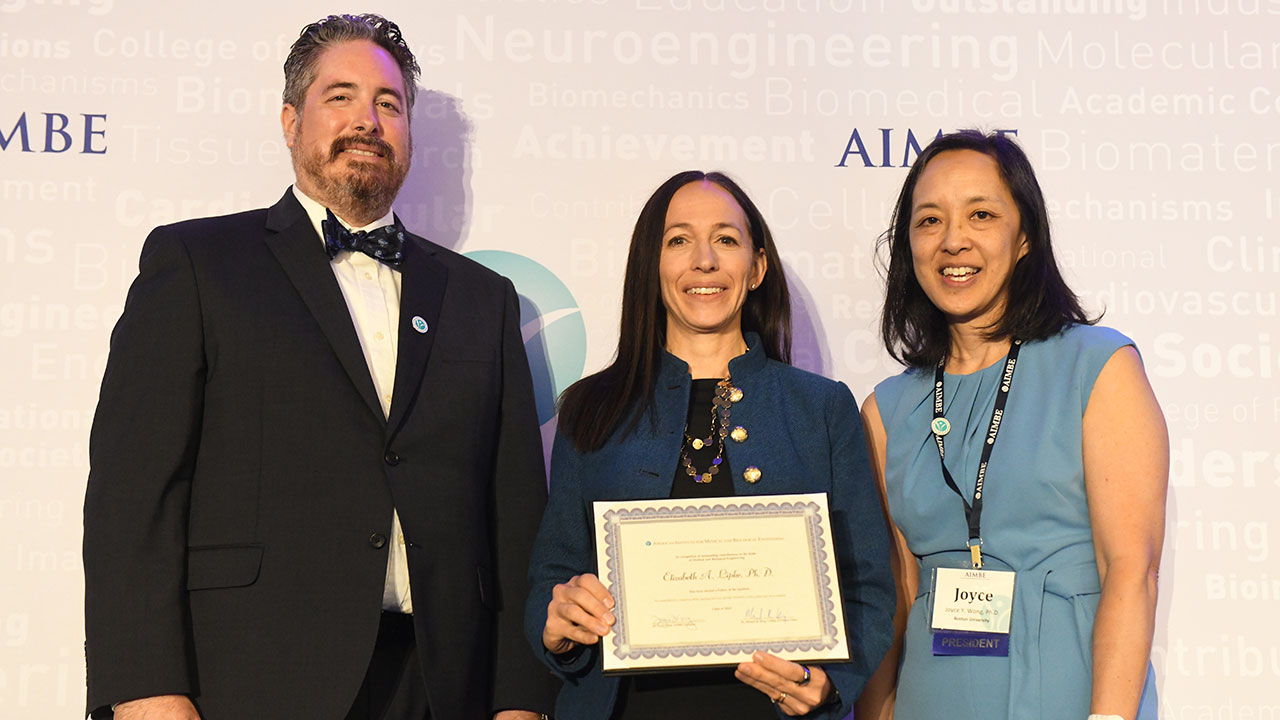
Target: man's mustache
<point>369,143</point>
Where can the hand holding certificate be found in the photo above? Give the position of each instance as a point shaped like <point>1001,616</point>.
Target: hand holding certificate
<point>709,583</point>
<point>578,614</point>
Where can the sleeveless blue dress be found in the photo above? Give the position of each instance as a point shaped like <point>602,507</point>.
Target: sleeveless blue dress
<point>1035,520</point>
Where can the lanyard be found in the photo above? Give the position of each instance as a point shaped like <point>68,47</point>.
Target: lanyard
<point>940,426</point>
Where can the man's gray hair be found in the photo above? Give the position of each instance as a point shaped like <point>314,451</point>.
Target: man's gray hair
<point>300,66</point>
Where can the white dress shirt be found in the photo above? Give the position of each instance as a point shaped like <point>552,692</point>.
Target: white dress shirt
<point>372,291</point>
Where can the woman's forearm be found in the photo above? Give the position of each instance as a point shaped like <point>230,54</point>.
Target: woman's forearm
<point>1122,635</point>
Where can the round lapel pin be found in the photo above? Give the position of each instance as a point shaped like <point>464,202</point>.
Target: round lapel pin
<point>419,324</point>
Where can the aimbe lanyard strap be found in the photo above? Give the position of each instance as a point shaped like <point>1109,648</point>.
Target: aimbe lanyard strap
<point>940,427</point>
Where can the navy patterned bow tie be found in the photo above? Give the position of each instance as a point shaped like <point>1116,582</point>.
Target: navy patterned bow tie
<point>384,244</point>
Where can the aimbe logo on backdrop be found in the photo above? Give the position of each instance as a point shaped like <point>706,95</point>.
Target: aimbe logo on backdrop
<point>61,134</point>
<point>891,147</point>
<point>555,337</point>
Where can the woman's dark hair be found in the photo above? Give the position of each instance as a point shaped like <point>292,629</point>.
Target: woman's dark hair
<point>593,408</point>
<point>1039,304</point>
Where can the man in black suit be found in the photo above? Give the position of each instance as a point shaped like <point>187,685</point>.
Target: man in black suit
<point>316,467</point>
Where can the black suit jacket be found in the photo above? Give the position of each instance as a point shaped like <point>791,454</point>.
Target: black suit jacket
<point>243,476</point>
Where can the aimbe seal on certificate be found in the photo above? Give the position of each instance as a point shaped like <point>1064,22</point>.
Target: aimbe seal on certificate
<point>703,583</point>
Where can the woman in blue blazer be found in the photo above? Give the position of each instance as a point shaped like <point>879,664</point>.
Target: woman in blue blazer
<point>705,346</point>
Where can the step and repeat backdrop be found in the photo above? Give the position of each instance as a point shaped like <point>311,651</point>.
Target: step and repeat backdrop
<point>543,125</point>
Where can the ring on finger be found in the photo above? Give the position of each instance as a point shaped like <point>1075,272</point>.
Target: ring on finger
<point>778,700</point>
<point>804,680</point>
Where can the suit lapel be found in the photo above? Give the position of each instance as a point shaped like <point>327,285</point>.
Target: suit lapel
<point>422,285</point>
<point>293,239</point>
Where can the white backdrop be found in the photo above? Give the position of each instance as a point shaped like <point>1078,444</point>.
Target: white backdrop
<point>547,123</point>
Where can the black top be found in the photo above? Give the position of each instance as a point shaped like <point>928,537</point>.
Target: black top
<point>694,694</point>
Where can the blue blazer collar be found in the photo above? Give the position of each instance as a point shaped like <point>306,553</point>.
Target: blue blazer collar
<point>671,406</point>
<point>675,372</point>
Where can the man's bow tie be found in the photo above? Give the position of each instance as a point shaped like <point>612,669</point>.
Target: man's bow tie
<point>384,244</point>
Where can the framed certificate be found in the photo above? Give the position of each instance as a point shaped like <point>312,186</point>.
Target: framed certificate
<point>707,582</point>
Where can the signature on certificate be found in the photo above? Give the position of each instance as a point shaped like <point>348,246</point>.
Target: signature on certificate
<point>765,614</point>
<point>670,621</point>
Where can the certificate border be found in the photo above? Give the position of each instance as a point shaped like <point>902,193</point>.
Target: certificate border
<point>828,639</point>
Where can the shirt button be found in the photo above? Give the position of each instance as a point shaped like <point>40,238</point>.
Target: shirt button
<point>392,459</point>
<point>377,541</point>
<point>379,335</point>
<point>368,275</point>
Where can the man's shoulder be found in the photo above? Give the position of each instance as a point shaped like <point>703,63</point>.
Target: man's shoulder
<point>245,218</point>
<point>220,230</point>
<point>215,229</point>
<point>454,261</point>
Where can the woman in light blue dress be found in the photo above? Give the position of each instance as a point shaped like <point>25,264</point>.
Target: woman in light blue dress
<point>1055,454</point>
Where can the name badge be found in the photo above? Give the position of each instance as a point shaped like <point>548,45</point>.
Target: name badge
<point>972,611</point>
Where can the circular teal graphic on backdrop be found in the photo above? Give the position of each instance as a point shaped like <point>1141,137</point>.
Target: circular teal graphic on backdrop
<point>555,338</point>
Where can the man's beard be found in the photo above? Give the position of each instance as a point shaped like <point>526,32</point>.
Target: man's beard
<point>356,187</point>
